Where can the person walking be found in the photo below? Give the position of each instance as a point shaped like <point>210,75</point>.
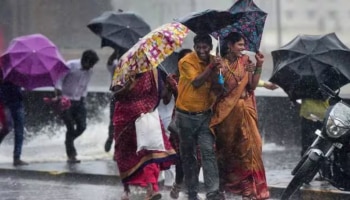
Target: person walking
<point>111,64</point>
<point>193,112</point>
<point>74,86</point>
<point>171,86</point>
<point>12,98</point>
<point>165,109</point>
<point>235,125</point>
<point>138,95</point>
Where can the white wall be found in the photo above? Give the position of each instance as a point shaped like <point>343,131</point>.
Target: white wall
<point>308,16</point>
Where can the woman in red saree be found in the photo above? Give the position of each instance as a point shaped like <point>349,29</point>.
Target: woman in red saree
<point>234,123</point>
<point>139,95</point>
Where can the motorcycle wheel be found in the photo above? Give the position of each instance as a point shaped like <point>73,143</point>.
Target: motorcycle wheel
<point>300,163</point>
<point>306,171</point>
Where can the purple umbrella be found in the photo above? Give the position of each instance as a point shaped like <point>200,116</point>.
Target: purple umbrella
<point>32,61</point>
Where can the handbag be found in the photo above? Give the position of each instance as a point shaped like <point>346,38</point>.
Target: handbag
<point>149,133</point>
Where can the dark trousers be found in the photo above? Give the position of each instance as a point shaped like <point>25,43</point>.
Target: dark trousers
<point>17,115</point>
<point>75,120</point>
<point>111,114</point>
<point>193,130</point>
<point>179,173</point>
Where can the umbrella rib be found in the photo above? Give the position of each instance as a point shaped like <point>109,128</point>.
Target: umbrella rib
<point>291,50</point>
<point>332,50</point>
<point>126,25</point>
<point>58,56</point>
<point>163,68</point>
<point>20,61</point>
<point>291,61</point>
<point>110,33</point>
<point>319,61</point>
<point>314,59</point>
<point>314,71</point>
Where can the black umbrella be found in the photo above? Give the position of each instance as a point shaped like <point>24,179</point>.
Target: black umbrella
<point>169,65</point>
<point>119,29</point>
<point>307,62</point>
<point>208,21</point>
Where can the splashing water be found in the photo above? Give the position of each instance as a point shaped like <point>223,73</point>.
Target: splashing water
<point>48,147</point>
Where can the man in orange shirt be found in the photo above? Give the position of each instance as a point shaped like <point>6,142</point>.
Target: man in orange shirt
<point>193,112</point>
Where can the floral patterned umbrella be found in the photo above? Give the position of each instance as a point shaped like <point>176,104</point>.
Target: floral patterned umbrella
<point>250,24</point>
<point>150,51</point>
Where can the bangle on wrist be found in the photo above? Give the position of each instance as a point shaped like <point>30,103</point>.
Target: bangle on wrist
<point>258,70</point>
<point>261,83</point>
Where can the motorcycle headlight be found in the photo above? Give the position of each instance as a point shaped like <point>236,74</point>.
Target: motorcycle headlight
<point>335,128</point>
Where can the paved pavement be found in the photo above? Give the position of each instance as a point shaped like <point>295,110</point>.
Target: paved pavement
<point>278,165</point>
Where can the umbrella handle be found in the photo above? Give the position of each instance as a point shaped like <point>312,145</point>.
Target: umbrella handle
<point>219,47</point>
<point>221,78</point>
<point>163,68</point>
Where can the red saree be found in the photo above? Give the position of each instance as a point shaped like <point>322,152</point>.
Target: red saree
<point>238,142</point>
<point>142,168</point>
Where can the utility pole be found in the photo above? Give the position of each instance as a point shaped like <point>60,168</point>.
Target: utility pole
<point>193,5</point>
<point>278,20</point>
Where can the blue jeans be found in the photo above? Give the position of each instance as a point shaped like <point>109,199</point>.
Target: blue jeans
<point>75,120</point>
<point>17,115</point>
<point>193,130</point>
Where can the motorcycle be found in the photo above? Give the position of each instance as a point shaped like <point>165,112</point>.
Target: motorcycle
<point>331,148</point>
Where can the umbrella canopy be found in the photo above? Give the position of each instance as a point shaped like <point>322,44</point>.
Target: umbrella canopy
<point>150,51</point>
<point>119,29</point>
<point>169,65</point>
<point>32,61</point>
<point>303,65</point>
<point>250,23</point>
<point>207,21</point>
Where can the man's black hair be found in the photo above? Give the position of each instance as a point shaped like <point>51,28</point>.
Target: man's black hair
<point>204,38</point>
<point>90,55</point>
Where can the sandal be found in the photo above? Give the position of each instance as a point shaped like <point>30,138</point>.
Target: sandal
<point>175,191</point>
<point>251,197</point>
<point>154,196</point>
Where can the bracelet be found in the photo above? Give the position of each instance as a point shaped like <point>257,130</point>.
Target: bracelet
<point>258,70</point>
<point>261,83</point>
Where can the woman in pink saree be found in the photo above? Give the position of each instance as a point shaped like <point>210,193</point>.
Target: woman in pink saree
<point>234,123</point>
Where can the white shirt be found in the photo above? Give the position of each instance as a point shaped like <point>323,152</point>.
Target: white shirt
<point>166,112</point>
<point>75,83</point>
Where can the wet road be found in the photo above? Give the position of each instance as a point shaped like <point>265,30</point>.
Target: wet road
<point>15,188</point>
